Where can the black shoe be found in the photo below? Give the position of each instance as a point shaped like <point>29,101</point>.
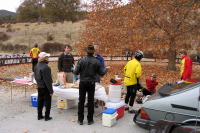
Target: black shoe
<point>131,111</point>
<point>48,118</point>
<point>96,104</point>
<point>40,117</point>
<point>126,108</point>
<point>90,123</point>
<point>80,122</point>
<point>86,105</point>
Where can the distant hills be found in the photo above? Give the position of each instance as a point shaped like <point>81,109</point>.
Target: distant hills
<point>4,13</point>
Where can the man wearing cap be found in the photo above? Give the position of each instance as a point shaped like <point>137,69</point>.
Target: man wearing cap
<point>88,67</point>
<point>151,84</point>
<point>133,72</point>
<point>42,73</point>
<point>34,52</point>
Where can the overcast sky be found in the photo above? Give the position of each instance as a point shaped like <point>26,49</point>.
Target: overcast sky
<point>12,5</point>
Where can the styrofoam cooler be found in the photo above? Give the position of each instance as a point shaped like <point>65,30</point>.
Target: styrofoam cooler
<point>114,93</point>
<point>34,99</point>
<point>118,106</point>
<point>109,117</point>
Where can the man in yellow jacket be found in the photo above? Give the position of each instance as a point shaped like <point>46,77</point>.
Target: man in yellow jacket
<point>133,72</point>
<point>34,52</point>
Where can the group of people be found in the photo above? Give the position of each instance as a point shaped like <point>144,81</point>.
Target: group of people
<point>91,69</point>
<point>133,72</point>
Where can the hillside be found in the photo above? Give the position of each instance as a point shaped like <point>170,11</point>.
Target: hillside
<point>4,13</point>
<point>29,33</point>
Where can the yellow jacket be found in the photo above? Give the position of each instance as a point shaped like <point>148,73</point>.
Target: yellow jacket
<point>132,70</point>
<point>34,52</point>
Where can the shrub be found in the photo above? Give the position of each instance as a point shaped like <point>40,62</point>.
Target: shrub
<point>4,36</point>
<point>49,37</point>
<point>54,47</point>
<point>8,47</point>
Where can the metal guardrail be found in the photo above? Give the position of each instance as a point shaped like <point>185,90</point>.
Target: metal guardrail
<point>8,60</point>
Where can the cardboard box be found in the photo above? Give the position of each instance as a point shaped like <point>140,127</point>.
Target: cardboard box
<point>34,99</point>
<point>109,119</point>
<point>65,103</point>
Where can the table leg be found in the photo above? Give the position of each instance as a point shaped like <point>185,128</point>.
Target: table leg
<point>11,93</point>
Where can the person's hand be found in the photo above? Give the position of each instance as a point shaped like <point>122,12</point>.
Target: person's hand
<point>101,78</point>
<point>108,67</point>
<point>51,95</point>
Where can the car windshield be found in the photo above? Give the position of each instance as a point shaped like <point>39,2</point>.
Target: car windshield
<point>171,88</point>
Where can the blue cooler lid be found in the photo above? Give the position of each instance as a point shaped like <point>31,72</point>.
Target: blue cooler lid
<point>109,111</point>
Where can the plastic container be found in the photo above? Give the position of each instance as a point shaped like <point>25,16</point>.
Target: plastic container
<point>118,106</point>
<point>109,117</point>
<point>114,93</point>
<point>34,99</point>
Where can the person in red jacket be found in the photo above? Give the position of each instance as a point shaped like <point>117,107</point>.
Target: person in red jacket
<point>186,66</point>
<point>151,84</point>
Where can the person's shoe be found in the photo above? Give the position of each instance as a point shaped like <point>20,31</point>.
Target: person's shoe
<point>126,108</point>
<point>80,122</point>
<point>131,111</point>
<point>96,104</point>
<point>86,105</point>
<point>48,118</point>
<point>90,123</point>
<point>40,117</point>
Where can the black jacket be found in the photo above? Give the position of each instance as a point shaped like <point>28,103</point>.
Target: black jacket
<point>42,73</point>
<point>88,67</point>
<point>65,62</point>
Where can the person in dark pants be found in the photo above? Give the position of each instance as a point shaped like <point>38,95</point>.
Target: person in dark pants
<point>133,71</point>
<point>88,67</point>
<point>34,52</point>
<point>66,63</point>
<point>42,73</point>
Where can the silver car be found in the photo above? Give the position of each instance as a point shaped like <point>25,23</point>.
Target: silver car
<point>172,102</point>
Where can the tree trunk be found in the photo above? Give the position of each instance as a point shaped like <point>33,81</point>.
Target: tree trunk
<point>172,55</point>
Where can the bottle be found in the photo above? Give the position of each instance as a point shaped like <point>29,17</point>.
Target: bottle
<point>116,76</point>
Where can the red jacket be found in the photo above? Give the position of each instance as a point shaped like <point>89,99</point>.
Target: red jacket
<point>151,85</point>
<point>186,68</point>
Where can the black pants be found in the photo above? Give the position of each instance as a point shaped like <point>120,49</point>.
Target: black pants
<point>44,99</point>
<point>131,93</point>
<point>34,62</point>
<point>146,92</point>
<point>89,88</point>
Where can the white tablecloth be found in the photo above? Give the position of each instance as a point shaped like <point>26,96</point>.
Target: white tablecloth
<point>71,93</point>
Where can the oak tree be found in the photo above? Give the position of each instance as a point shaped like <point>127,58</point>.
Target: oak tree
<point>161,27</point>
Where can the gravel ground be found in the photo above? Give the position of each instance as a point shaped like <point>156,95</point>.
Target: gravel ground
<point>19,117</point>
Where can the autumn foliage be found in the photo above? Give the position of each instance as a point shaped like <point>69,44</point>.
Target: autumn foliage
<point>160,27</point>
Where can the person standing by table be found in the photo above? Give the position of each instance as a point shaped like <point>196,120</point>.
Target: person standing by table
<point>88,67</point>
<point>65,63</point>
<point>42,73</point>
<point>133,72</point>
<point>34,52</point>
<point>98,77</point>
<point>186,66</point>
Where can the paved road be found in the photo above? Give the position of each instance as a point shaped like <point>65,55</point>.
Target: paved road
<point>20,116</point>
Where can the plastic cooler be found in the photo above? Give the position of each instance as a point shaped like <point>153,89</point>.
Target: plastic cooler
<point>118,106</point>
<point>109,117</point>
<point>114,93</point>
<point>34,99</point>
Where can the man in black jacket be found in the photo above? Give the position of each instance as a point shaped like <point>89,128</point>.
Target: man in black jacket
<point>42,73</point>
<point>88,67</point>
<point>65,63</point>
